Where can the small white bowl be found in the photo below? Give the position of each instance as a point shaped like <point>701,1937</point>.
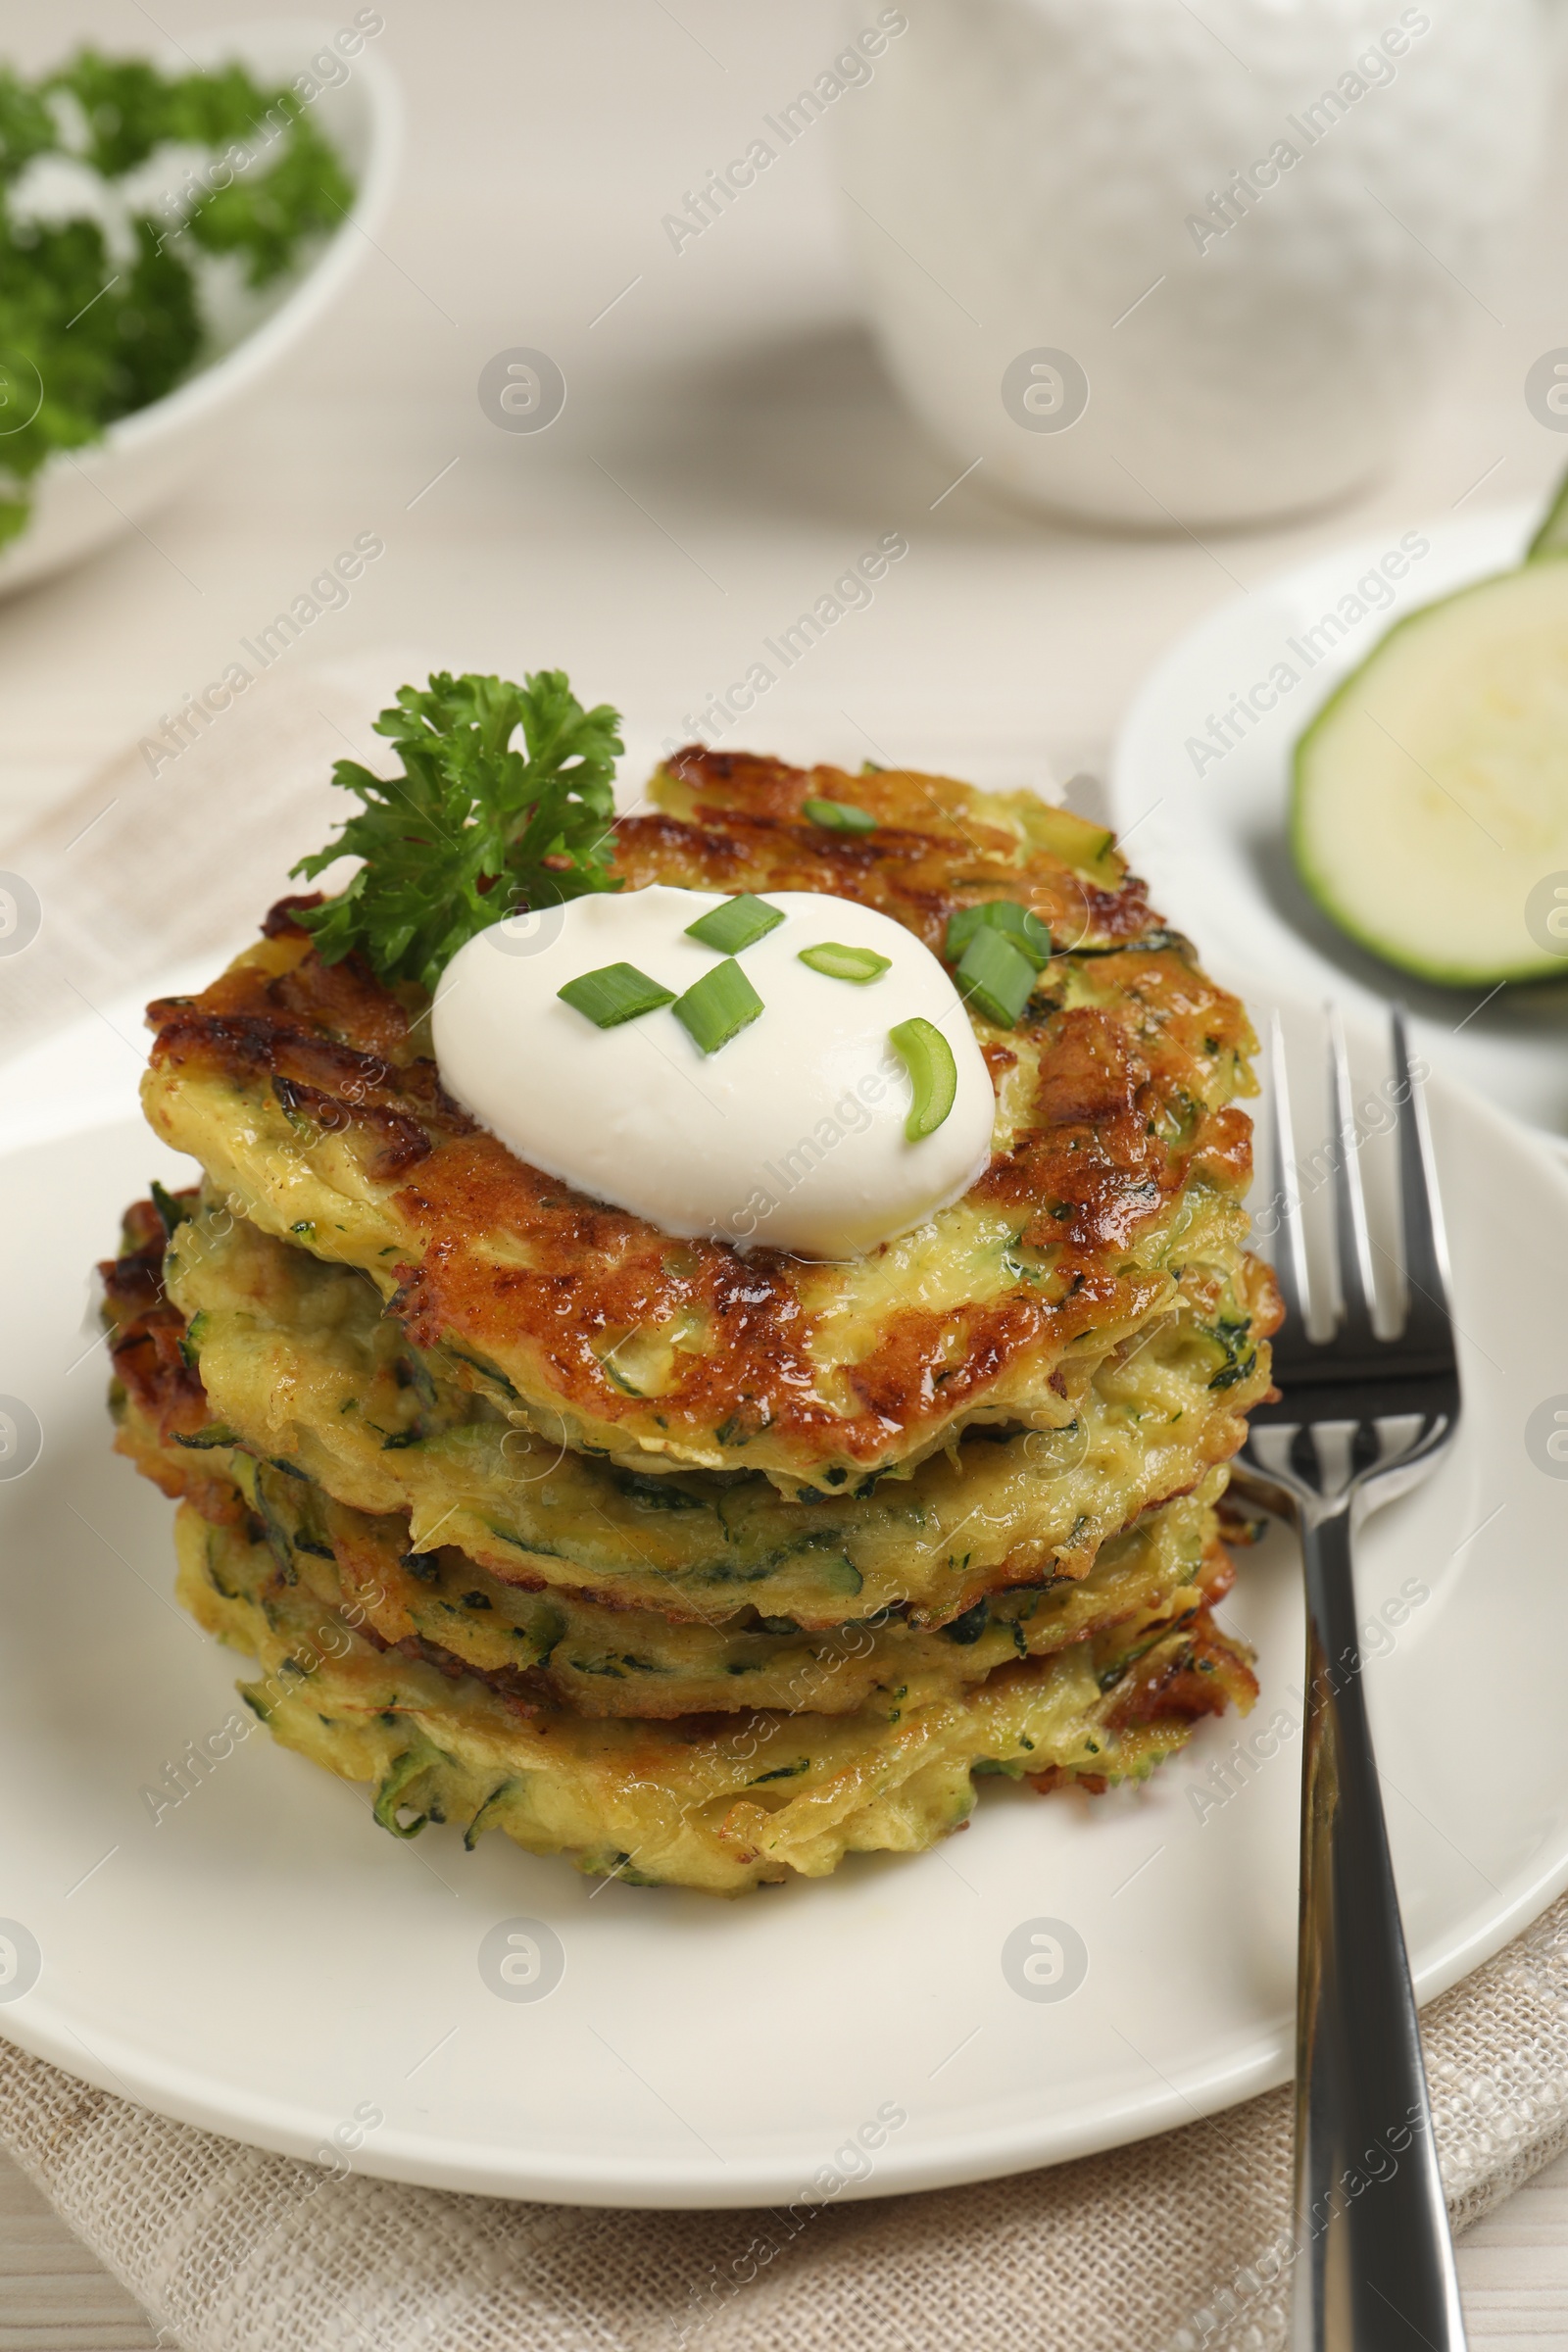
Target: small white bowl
<point>83,498</point>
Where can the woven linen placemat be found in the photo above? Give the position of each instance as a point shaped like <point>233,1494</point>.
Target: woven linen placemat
<point>1170,2246</point>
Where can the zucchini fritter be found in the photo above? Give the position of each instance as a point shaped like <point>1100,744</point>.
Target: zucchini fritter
<point>563,1647</point>
<point>298,1359</point>
<point>1119,1161</point>
<point>721,1807</point>
<point>541,1637</point>
<point>704,1567</point>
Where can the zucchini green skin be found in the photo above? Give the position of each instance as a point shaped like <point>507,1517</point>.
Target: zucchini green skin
<point>1553,537</point>
<point>1550,545</point>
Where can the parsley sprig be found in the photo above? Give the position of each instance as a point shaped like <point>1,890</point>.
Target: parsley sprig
<point>473,829</point>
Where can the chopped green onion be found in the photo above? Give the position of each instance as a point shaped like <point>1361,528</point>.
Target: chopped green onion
<point>717,1006</point>
<point>933,1074</point>
<point>739,923</point>
<point>1025,930</point>
<point>858,965</point>
<point>615,993</point>
<point>995,976</point>
<point>840,817</point>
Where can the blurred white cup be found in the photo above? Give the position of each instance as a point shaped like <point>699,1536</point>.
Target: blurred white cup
<point>1161,265</point>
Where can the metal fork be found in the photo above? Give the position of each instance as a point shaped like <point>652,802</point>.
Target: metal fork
<point>1361,1419</point>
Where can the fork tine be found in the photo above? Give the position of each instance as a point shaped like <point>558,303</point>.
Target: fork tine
<point>1353,1251</point>
<point>1425,1244</point>
<point>1289,1255</point>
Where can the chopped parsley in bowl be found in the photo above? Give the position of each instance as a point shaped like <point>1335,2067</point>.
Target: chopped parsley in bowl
<point>167,229</point>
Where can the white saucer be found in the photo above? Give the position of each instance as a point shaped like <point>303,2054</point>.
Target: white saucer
<point>1210,831</point>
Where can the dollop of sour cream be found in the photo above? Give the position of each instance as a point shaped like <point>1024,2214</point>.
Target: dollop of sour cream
<point>790,1137</point>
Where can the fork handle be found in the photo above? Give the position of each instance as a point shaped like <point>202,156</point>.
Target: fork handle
<point>1374,2259</point>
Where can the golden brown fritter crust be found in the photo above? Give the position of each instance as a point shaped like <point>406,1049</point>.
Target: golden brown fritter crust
<point>732,820</point>
<point>154,1371</point>
<point>1113,1105</point>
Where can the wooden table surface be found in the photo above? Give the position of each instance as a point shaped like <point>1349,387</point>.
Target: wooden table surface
<point>728,446</point>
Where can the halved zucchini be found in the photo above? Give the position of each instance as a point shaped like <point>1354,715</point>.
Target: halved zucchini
<point>1429,813</point>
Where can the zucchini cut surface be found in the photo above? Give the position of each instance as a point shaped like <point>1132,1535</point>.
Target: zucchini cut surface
<point>1430,803</point>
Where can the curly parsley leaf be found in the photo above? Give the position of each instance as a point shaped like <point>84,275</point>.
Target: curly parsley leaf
<point>475,828</point>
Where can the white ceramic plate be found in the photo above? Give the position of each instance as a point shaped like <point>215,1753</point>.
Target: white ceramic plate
<point>264,1961</point>
<point>1213,843</point>
<point>82,501</point>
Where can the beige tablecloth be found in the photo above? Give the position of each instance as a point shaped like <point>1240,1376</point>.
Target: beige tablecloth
<point>1169,2245</point>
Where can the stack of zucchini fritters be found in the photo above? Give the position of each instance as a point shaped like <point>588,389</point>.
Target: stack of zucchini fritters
<point>709,1567</point>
